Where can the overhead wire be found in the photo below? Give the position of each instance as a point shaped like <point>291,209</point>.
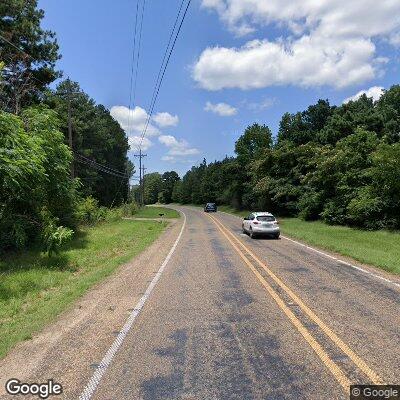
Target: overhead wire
<point>164,66</point>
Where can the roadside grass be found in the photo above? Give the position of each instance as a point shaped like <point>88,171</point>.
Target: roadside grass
<point>34,288</point>
<point>154,212</point>
<point>231,210</point>
<point>379,248</point>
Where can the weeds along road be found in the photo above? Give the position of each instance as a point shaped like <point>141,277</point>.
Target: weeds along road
<point>231,318</point>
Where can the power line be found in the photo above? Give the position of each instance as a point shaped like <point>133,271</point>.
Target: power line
<point>139,48</point>
<point>166,52</point>
<point>133,64</point>
<point>137,38</point>
<point>141,181</point>
<point>160,80</point>
<point>98,164</point>
<point>26,54</point>
<point>16,47</point>
<point>102,168</point>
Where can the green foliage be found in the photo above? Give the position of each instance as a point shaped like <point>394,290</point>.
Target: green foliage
<point>25,77</point>
<point>152,186</point>
<point>129,209</point>
<point>54,237</point>
<point>87,211</point>
<point>34,176</point>
<point>169,179</point>
<point>254,140</point>
<point>339,164</point>
<point>97,137</point>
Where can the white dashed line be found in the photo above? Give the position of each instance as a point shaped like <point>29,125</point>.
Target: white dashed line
<point>112,351</point>
<point>333,258</point>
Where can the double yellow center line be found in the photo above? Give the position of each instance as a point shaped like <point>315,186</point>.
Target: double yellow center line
<point>322,354</point>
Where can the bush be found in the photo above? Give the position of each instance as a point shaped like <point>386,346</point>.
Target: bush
<point>34,175</point>
<point>88,211</point>
<point>310,205</point>
<point>129,209</point>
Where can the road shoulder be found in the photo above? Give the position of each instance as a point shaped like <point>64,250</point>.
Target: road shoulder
<point>68,349</point>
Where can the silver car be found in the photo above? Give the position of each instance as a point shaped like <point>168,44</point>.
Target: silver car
<point>261,223</point>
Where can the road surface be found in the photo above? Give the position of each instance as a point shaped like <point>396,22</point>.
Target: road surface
<point>229,317</point>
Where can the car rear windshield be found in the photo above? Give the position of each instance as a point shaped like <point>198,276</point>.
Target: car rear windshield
<point>211,204</point>
<point>266,218</point>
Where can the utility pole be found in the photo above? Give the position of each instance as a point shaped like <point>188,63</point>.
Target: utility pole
<point>143,169</point>
<point>68,94</point>
<point>70,131</point>
<point>140,155</point>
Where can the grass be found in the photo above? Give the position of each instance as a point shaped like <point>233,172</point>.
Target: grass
<point>34,289</point>
<point>231,210</point>
<point>154,212</point>
<point>378,248</point>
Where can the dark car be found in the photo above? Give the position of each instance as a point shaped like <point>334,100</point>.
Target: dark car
<point>210,207</point>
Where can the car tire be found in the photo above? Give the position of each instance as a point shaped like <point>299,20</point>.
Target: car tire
<point>252,235</point>
<point>243,230</point>
<point>276,236</point>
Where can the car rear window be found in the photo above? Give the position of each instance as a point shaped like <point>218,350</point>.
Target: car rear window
<point>266,218</point>
<point>211,204</point>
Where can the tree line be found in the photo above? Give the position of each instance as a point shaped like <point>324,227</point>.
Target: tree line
<point>340,164</point>
<point>43,181</point>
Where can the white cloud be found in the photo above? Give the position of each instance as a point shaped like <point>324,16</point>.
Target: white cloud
<point>222,109</point>
<point>330,18</point>
<point>136,141</point>
<point>168,158</point>
<point>133,120</point>
<point>375,92</point>
<point>328,43</point>
<point>395,39</point>
<point>177,148</point>
<point>262,105</point>
<point>165,119</point>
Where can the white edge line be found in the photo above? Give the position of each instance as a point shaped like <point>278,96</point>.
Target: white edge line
<point>332,257</point>
<point>112,351</point>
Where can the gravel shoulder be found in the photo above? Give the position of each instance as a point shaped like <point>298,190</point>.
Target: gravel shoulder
<point>67,349</point>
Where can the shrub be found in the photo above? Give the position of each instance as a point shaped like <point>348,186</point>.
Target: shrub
<point>87,210</point>
<point>34,175</point>
<point>129,209</point>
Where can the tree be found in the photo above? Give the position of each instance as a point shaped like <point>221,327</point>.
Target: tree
<point>97,139</point>
<point>303,127</point>
<point>169,179</point>
<point>29,53</point>
<point>37,194</point>
<point>348,117</point>
<point>254,139</point>
<point>339,164</point>
<point>152,187</point>
<point>388,108</point>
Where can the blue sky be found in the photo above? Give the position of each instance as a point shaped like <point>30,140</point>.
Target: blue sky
<point>259,59</point>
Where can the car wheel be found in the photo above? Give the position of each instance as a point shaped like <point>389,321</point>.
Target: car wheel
<point>243,230</point>
<point>276,236</point>
<point>252,235</point>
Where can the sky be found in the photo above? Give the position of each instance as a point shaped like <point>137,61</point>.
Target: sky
<point>235,63</point>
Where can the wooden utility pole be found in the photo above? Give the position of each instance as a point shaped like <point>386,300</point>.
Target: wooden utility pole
<point>70,141</point>
<point>141,191</point>
<point>143,170</point>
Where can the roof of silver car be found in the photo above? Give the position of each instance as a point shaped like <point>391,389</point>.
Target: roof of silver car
<point>258,213</point>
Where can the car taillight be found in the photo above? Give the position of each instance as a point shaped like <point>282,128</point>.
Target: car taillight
<point>255,222</point>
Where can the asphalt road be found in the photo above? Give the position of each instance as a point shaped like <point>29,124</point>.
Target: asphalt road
<point>212,330</point>
<point>236,318</point>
